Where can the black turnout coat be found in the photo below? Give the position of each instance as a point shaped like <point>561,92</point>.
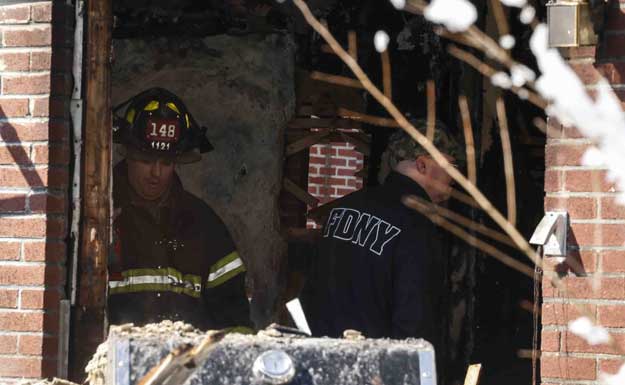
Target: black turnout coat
<point>173,260</point>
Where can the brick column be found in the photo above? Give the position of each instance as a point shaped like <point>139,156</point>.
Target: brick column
<point>35,69</point>
<point>331,172</point>
<point>597,232</point>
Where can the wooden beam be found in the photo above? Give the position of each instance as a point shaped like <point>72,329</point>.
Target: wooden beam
<point>338,137</point>
<point>308,123</point>
<point>88,323</point>
<point>369,119</point>
<point>360,145</point>
<point>336,79</point>
<point>299,193</point>
<point>305,142</point>
<point>319,110</point>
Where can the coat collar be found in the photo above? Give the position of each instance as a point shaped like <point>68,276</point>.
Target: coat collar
<point>403,185</point>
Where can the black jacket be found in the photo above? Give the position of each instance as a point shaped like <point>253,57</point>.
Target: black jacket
<point>173,260</point>
<point>379,268</point>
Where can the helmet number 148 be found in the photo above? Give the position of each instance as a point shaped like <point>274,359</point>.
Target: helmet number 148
<point>165,130</point>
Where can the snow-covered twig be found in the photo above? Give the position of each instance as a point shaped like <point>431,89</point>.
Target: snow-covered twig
<point>491,73</point>
<point>507,160</point>
<point>601,120</point>
<point>593,334</point>
<point>613,379</point>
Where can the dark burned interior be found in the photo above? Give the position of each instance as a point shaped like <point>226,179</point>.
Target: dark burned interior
<point>488,317</point>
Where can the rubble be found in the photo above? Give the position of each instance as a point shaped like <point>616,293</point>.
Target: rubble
<point>54,381</point>
<point>130,352</point>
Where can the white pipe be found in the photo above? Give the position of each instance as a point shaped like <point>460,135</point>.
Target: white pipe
<point>77,115</point>
<point>76,112</point>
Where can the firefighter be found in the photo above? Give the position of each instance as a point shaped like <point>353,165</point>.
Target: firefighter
<point>172,258</point>
<point>379,267</point>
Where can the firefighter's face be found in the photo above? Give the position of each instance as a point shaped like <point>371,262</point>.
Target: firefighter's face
<point>150,178</point>
<point>438,184</point>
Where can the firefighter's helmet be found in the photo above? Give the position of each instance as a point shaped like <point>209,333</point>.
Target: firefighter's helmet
<point>157,123</point>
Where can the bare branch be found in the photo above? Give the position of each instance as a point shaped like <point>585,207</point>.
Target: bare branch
<point>492,50</point>
<point>489,71</point>
<point>486,205</point>
<point>464,198</point>
<point>500,17</point>
<point>468,138</point>
<point>507,160</point>
<point>429,212</point>
<point>464,221</point>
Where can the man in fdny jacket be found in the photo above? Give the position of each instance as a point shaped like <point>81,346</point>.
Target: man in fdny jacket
<point>379,268</point>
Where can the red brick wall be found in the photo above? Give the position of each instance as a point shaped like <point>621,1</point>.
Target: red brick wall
<point>35,59</point>
<point>597,232</point>
<point>331,172</point>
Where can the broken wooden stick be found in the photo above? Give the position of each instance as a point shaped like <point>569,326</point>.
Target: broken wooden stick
<point>182,362</point>
<point>473,374</point>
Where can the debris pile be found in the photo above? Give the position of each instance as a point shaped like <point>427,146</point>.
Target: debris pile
<point>54,381</point>
<point>166,330</point>
<point>131,352</point>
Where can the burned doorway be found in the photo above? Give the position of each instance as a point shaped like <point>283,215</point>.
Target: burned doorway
<point>249,52</point>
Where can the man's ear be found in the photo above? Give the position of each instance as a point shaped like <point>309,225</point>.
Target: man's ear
<point>421,164</point>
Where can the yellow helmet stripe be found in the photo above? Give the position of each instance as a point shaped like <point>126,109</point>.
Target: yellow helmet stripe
<point>130,115</point>
<point>153,105</point>
<point>173,107</point>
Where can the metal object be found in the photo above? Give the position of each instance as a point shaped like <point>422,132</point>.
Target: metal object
<point>297,313</point>
<point>570,24</point>
<point>119,363</point>
<point>274,367</point>
<point>427,367</point>
<point>268,358</point>
<point>63,347</point>
<point>551,233</point>
<point>76,112</point>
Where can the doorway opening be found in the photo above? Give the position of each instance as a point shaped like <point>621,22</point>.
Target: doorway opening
<point>250,72</point>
